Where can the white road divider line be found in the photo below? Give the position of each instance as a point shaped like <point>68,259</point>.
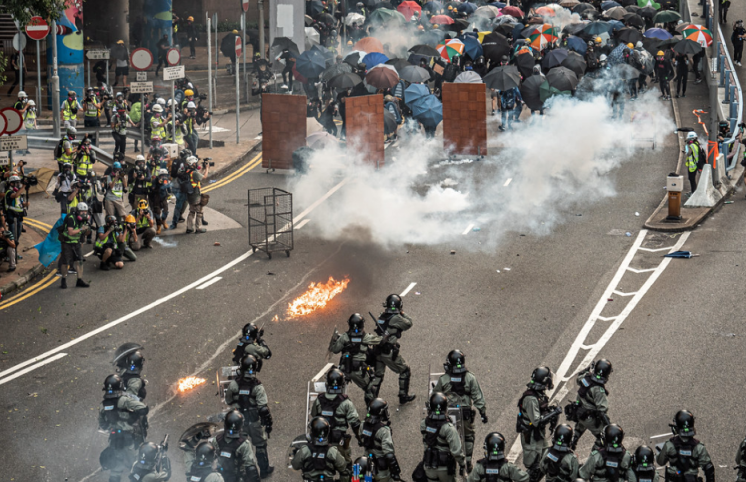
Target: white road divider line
<point>166,298</point>
<point>302,223</point>
<point>211,282</point>
<point>507,182</point>
<point>32,368</point>
<point>468,228</point>
<point>409,288</point>
<point>662,435</point>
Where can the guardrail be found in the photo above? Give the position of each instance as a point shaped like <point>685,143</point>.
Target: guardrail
<point>50,143</point>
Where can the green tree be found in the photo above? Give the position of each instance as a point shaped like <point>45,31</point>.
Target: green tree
<point>23,10</point>
<point>3,64</point>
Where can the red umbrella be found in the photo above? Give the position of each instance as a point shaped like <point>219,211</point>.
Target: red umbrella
<point>369,44</point>
<point>299,77</point>
<point>441,20</point>
<point>382,76</point>
<point>408,8</point>
<point>512,11</point>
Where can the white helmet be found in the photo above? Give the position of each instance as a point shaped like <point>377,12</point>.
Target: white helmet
<point>157,108</point>
<point>170,102</point>
<point>191,160</point>
<point>31,103</point>
<point>163,172</point>
<point>65,165</point>
<point>161,101</point>
<point>602,58</point>
<point>22,94</point>
<point>71,131</point>
<point>191,105</point>
<point>82,206</point>
<point>119,94</point>
<point>691,135</point>
<point>139,157</point>
<point>18,179</point>
<point>638,45</point>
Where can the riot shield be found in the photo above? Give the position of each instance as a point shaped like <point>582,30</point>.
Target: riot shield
<point>197,433</point>
<point>225,375</point>
<point>316,387</point>
<point>455,413</point>
<point>121,353</point>
<point>296,444</point>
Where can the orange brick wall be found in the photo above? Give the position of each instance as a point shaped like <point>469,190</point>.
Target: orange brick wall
<point>465,118</point>
<point>364,119</point>
<point>283,129</point>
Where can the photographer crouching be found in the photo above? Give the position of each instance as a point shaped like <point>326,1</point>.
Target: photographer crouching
<point>110,237</point>
<point>195,198</point>
<point>143,226</point>
<point>72,231</point>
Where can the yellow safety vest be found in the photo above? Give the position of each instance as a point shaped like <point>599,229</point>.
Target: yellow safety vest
<point>67,114</point>
<point>91,110</point>
<point>179,135</point>
<point>83,165</point>
<point>118,189</point>
<point>195,184</point>
<point>143,223</point>
<point>16,204</point>
<point>29,119</point>
<point>65,157</point>
<point>692,157</point>
<point>157,131</point>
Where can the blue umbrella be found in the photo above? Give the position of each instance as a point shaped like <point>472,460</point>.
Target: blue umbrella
<point>428,110</point>
<point>467,8</point>
<point>472,47</point>
<point>310,64</point>
<point>373,59</point>
<point>658,33</point>
<point>609,4</point>
<point>680,254</point>
<point>415,92</point>
<point>595,28</point>
<point>498,4</point>
<point>432,7</point>
<point>616,56</point>
<point>615,25</point>
<point>518,31</point>
<point>577,44</point>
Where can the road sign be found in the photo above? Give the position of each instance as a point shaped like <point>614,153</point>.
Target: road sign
<point>19,41</point>
<point>97,55</point>
<point>13,143</point>
<point>239,44</point>
<point>3,123</point>
<point>142,76</point>
<point>13,120</point>
<point>141,87</point>
<point>173,73</point>
<point>37,28</point>
<point>4,158</point>
<point>173,56</point>
<point>141,59</point>
<point>245,5</point>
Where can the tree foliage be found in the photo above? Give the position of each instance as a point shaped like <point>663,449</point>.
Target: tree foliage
<point>3,64</point>
<point>23,10</point>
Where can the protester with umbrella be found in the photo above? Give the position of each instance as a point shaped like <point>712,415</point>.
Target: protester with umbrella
<point>681,63</point>
<point>530,91</point>
<point>664,71</point>
<point>429,112</point>
<point>289,58</point>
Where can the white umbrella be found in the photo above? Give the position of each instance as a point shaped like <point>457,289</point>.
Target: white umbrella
<point>354,18</point>
<point>468,77</point>
<point>312,37</point>
<point>321,140</point>
<point>487,11</point>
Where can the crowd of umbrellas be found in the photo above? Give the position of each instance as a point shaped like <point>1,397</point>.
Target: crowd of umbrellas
<point>476,42</point>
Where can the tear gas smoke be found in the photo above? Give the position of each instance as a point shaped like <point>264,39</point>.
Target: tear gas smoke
<point>555,162</point>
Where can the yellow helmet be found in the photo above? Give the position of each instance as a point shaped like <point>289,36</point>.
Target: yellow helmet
<point>235,31</point>
<point>599,40</point>
<point>435,25</point>
<point>129,219</point>
<point>660,54</point>
<point>349,42</point>
<point>630,45</point>
<point>191,19</point>
<point>143,204</point>
<point>189,92</point>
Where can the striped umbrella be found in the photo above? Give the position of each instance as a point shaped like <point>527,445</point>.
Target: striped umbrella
<point>699,34</point>
<point>450,48</point>
<point>541,36</point>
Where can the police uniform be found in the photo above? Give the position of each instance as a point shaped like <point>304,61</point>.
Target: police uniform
<point>377,443</point>
<point>319,462</point>
<point>354,359</point>
<point>650,476</point>
<point>134,385</point>
<point>260,352</point>
<point>204,474</point>
<point>249,397</point>
<point>559,466</point>
<point>148,475</point>
<point>685,456</point>
<point>387,353</point>
<point>532,405</point>
<point>340,412</point>
<point>605,466</point>
<point>442,449</point>
<point>741,462</point>
<point>593,404</point>
<point>234,456</point>
<point>463,390</point>
<point>500,471</point>
<point>118,415</point>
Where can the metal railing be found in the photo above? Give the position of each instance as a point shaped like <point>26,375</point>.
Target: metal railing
<point>50,143</point>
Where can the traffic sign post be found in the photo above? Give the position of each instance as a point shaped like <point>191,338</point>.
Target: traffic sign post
<point>4,158</point>
<point>238,118</point>
<point>97,55</point>
<point>141,87</point>
<point>245,5</point>
<point>13,143</point>
<point>172,74</point>
<point>19,43</point>
<point>173,57</point>
<point>37,29</point>
<point>13,120</point>
<point>142,76</point>
<point>141,59</point>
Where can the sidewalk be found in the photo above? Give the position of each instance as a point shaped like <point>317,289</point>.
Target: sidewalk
<point>28,267</point>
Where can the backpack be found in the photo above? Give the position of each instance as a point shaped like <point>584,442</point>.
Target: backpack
<point>507,98</point>
<point>591,60</point>
<point>58,150</point>
<point>391,107</point>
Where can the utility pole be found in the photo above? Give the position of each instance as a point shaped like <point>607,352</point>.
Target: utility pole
<point>261,27</point>
<point>55,82</point>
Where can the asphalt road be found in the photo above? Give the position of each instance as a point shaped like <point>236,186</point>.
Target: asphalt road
<point>673,350</point>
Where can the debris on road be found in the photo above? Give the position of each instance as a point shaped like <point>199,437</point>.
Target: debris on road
<point>680,254</point>
<point>216,244</point>
<point>453,251</point>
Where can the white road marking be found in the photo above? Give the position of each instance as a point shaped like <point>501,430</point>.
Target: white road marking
<point>507,182</point>
<point>88,254</point>
<point>212,281</point>
<point>649,250</point>
<point>302,223</point>
<point>662,435</point>
<point>409,288</point>
<point>166,298</point>
<point>638,271</point>
<point>556,395</point>
<point>621,293</point>
<point>31,368</point>
<point>468,228</point>
<point>258,137</point>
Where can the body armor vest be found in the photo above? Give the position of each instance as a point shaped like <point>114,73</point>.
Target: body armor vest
<point>368,434</point>
<point>245,388</point>
<point>492,470</point>
<point>141,393</point>
<point>611,469</point>
<point>328,411</point>
<point>586,384</point>
<point>111,409</point>
<point>227,462</point>
<point>555,462</point>
<point>684,454</point>
<point>198,474</point>
<point>138,473</point>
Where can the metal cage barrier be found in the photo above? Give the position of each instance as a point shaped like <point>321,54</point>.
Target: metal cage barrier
<point>270,220</point>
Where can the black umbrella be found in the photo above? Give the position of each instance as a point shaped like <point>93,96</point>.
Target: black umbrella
<point>651,45</point>
<point>494,46</point>
<point>458,25</point>
<point>414,73</point>
<point>574,28</point>
<point>310,64</point>
<point>530,92</point>
<point>628,35</point>
<point>632,8</point>
<point>354,58</point>
<point>398,64</point>
<point>634,20</point>
<point>326,19</point>
<point>582,7</point>
<point>425,50</point>
<point>386,5</point>
<point>504,29</point>
<point>687,46</point>
<point>389,122</point>
<point>281,43</point>
<point>503,78</point>
<point>525,63</point>
<point>628,3</point>
<point>562,78</point>
<point>553,58</point>
<point>314,7</point>
<point>576,63</point>
<point>647,12</point>
<point>347,80</point>
<point>668,43</point>
<point>335,70</point>
<point>625,71</point>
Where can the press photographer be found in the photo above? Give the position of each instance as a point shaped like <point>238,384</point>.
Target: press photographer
<point>139,179</point>
<point>92,108</point>
<point>195,198</point>
<point>144,227</point>
<point>64,189</point>
<point>16,205</point>
<point>107,248</point>
<point>116,186</point>
<point>7,244</point>
<point>72,231</point>
<point>84,159</point>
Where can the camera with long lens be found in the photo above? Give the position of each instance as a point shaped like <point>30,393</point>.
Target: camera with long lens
<point>207,161</point>
<point>29,180</point>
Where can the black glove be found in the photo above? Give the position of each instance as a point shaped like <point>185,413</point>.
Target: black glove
<point>484,417</point>
<point>359,440</point>
<point>461,470</point>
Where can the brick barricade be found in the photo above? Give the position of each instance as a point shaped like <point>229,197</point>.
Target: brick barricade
<point>465,118</point>
<point>283,129</point>
<point>364,126</point>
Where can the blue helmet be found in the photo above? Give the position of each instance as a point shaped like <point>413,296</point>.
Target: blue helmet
<point>117,165</point>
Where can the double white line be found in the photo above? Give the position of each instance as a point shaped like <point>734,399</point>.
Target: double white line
<point>29,369</point>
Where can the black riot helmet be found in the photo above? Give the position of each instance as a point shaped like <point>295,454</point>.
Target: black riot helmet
<point>378,410</point>
<point>147,455</point>
<point>494,447</point>
<point>601,370</point>
<point>613,438</point>
<point>335,381</point>
<point>250,332</point>
<point>393,304</point>
<point>684,421</point>
<point>541,379</point>
<point>437,407</point>
<point>455,362</point>
<point>135,361</point>
<point>319,428</point>
<point>248,367</point>
<point>562,438</point>
<point>204,453</point>
<point>366,465</point>
<point>356,324</point>
<point>643,460</point>
<point>233,424</point>
<point>113,386</point>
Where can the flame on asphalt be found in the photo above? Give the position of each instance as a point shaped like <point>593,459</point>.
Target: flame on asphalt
<point>316,297</point>
<point>188,383</point>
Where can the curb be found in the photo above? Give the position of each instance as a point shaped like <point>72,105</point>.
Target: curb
<point>242,158</point>
<point>30,275</point>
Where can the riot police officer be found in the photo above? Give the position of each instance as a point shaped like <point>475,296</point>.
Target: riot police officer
<point>252,343</point>
<point>493,467</point>
<point>152,464</point>
<point>337,408</point>
<point>203,468</point>
<point>684,454</point>
<point>131,371</point>
<point>591,406</point>
<point>362,468</point>
<point>356,347</point>
<point>533,408</point>
<point>318,459</point>
<point>246,393</point>
<point>235,457</point>
<point>559,463</point>
<point>377,441</point>
<point>391,324</point>
<point>463,390</point>
<point>611,462</point>
<point>643,465</point>
<point>442,442</point>
<point>741,462</point>
<point>121,416</point>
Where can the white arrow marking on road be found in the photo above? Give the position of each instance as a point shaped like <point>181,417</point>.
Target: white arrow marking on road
<point>409,288</point>
<point>212,281</point>
<point>31,368</point>
<point>507,182</point>
<point>302,223</point>
<point>468,228</point>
